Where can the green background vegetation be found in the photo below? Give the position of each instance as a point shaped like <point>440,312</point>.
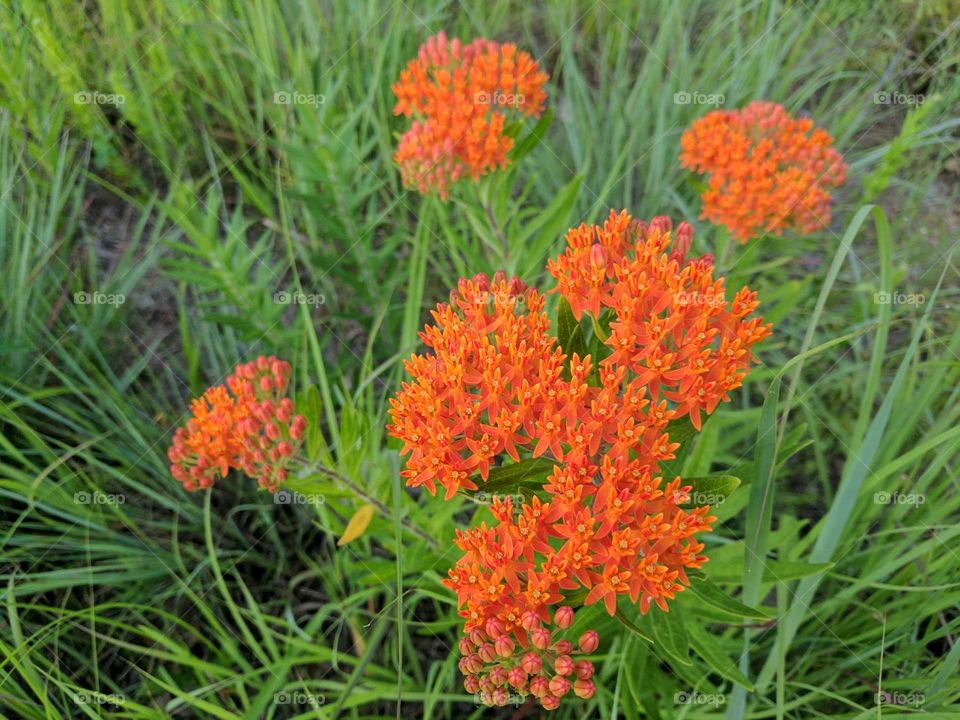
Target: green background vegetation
<point>199,198</point>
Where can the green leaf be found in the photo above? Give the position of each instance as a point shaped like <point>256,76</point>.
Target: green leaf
<point>570,334</point>
<point>528,474</point>
<point>707,647</point>
<point>534,138</point>
<point>713,596</point>
<point>632,626</point>
<point>310,406</point>
<point>670,636</point>
<point>711,489</point>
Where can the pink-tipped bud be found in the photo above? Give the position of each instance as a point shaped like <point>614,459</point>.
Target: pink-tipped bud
<point>532,663</point>
<point>583,669</point>
<point>517,677</point>
<point>471,684</point>
<point>500,697</point>
<point>477,637</point>
<point>584,689</point>
<point>563,647</point>
<point>272,431</point>
<point>589,641</point>
<point>263,363</point>
<point>539,686</point>
<point>541,638</point>
<point>487,652</point>
<point>494,628</point>
<point>563,665</point>
<point>530,621</point>
<point>498,675</point>
<point>559,685</point>
<point>466,647</point>
<point>550,702</point>
<point>266,383</point>
<point>563,618</point>
<point>598,256</point>
<point>683,238</point>
<point>504,646</point>
<point>476,663</point>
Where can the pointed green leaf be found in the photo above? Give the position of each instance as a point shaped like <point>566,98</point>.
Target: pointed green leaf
<point>717,598</point>
<point>711,489</point>
<point>707,647</point>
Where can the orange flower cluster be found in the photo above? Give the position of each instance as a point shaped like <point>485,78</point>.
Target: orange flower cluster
<point>499,386</point>
<point>250,427</point>
<point>458,96</point>
<point>672,325</point>
<point>768,170</point>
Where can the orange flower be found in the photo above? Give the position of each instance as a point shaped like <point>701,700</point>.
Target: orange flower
<point>768,170</point>
<point>458,96</point>
<point>497,385</point>
<point>671,325</point>
<point>251,428</point>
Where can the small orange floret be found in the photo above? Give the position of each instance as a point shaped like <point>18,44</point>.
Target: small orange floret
<point>247,425</point>
<point>768,171</point>
<point>458,96</point>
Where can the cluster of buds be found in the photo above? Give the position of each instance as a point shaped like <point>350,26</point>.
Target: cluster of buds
<point>249,425</point>
<point>496,668</point>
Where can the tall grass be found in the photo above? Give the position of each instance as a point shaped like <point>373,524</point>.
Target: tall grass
<point>202,198</point>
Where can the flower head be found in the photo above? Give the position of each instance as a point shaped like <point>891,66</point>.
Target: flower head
<point>459,96</point>
<point>768,171</point>
<point>247,425</point>
<point>497,387</point>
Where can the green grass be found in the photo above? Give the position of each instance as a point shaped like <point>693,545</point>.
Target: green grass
<point>198,199</point>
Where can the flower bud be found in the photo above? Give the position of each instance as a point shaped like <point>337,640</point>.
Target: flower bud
<point>504,646</point>
<point>563,665</point>
<point>598,256</point>
<point>541,638</point>
<point>517,677</point>
<point>584,689</point>
<point>471,684</point>
<point>530,621</point>
<point>550,702</point>
<point>583,669</point>
<point>559,685</point>
<point>563,647</point>
<point>589,641</point>
<point>563,618</point>
<point>487,652</point>
<point>532,663</point>
<point>539,686</point>
<point>494,628</point>
<point>500,697</point>
<point>498,675</point>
